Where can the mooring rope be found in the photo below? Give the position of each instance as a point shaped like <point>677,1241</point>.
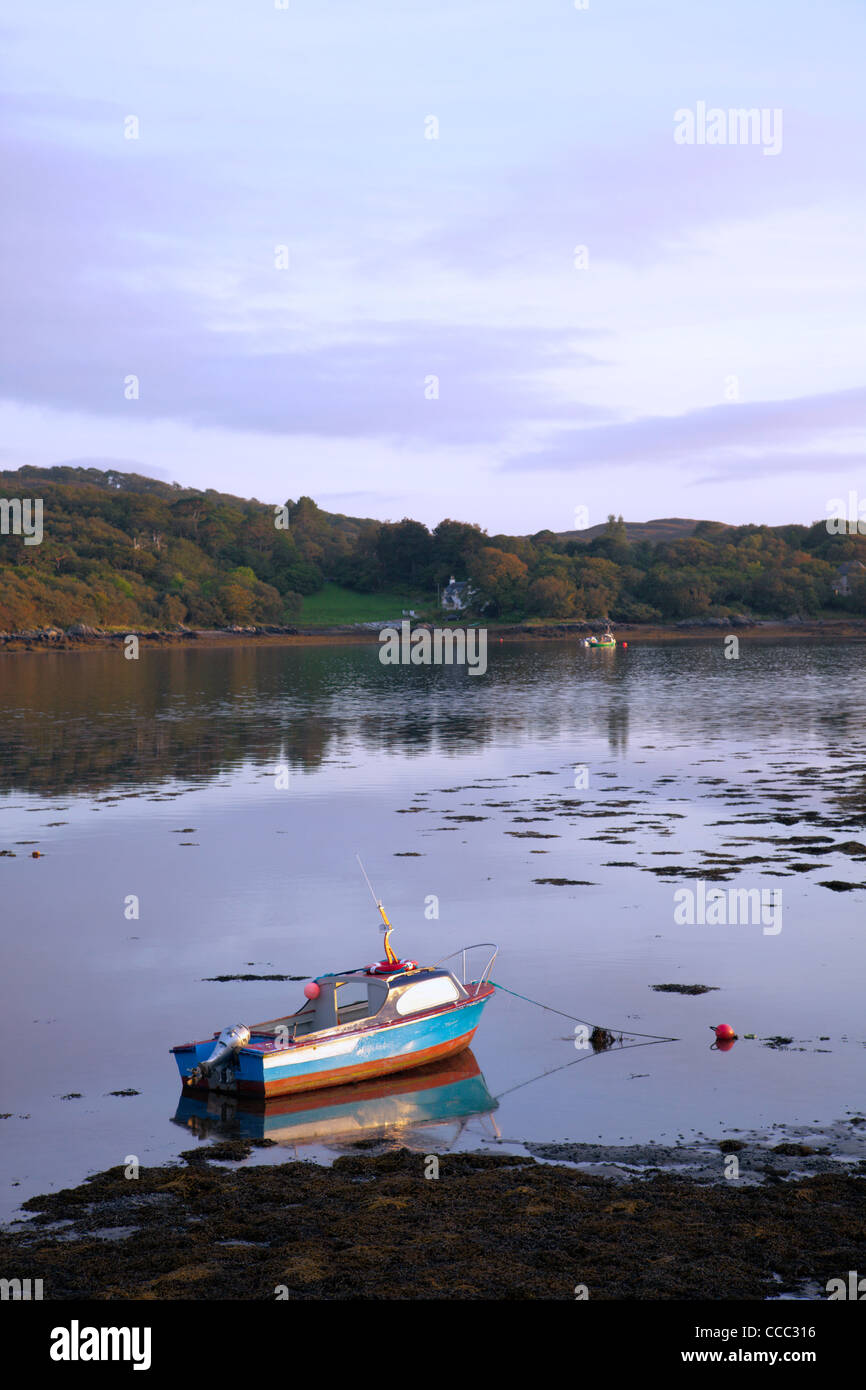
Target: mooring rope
<point>630,1032</point>
<point>587,1056</point>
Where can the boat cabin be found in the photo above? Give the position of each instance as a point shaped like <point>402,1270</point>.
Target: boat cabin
<point>358,996</point>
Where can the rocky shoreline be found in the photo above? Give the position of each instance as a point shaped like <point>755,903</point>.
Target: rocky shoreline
<point>490,1226</point>
<point>81,637</point>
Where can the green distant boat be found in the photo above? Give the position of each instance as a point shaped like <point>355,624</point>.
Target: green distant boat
<point>606,639</point>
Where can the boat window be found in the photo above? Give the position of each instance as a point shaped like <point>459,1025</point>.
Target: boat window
<point>426,994</point>
<point>352,1002</point>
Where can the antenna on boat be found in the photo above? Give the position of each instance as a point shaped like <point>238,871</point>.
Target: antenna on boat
<point>388,928</point>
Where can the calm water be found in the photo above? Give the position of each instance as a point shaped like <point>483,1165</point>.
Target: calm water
<point>162,779</point>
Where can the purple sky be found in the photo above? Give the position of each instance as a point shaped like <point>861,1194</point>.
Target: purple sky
<point>705,357</point>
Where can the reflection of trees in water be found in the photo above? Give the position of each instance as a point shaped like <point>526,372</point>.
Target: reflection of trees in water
<point>149,749</point>
<point>841,728</point>
<point>98,721</point>
<point>438,730</point>
<point>617,726</point>
<point>79,725</point>
<point>607,691</point>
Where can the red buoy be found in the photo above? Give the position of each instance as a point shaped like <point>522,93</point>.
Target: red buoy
<point>724,1032</point>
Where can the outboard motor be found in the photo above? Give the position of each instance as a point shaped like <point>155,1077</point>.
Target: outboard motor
<point>227,1044</point>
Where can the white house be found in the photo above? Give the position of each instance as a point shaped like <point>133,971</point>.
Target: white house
<point>456,597</point>
<point>850,570</point>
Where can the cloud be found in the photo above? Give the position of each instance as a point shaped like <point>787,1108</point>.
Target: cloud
<point>216,335</point>
<point>413,258</point>
<point>762,437</point>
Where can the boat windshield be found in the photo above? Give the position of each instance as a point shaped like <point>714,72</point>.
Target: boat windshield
<point>346,999</point>
<point>355,1000</point>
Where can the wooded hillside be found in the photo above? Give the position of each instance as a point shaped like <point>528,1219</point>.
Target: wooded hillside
<point>121,550</point>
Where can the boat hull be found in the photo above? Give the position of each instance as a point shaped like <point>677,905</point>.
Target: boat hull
<point>342,1058</point>
<point>426,1096</point>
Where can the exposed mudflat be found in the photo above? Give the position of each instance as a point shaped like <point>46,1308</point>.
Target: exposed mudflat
<point>764,1157</point>
<point>488,1227</point>
<point>845,627</point>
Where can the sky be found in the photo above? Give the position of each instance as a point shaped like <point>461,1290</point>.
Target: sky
<point>452,259</point>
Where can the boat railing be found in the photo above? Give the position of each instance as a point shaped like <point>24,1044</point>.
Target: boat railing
<point>463,954</point>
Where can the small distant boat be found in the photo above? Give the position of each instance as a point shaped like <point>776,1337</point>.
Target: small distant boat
<point>356,1024</point>
<point>606,639</point>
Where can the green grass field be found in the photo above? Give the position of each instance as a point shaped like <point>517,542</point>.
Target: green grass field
<point>334,605</point>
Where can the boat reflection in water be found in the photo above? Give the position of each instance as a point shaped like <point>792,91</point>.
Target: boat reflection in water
<point>442,1093</point>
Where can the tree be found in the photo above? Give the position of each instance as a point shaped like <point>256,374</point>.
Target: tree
<point>405,552</point>
<point>676,594</point>
<point>501,579</point>
<point>171,611</point>
<point>598,585</point>
<point>455,545</point>
<point>551,597</point>
<point>614,542</point>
